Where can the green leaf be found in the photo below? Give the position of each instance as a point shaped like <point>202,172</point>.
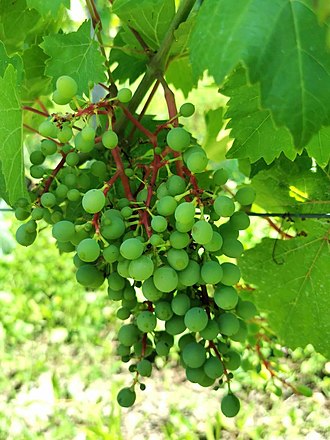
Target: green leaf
<point>75,54</point>
<point>151,18</point>
<point>319,146</point>
<point>293,286</point>
<point>45,7</point>
<point>216,149</point>
<point>36,83</point>
<point>293,187</point>
<point>275,39</point>
<point>11,155</point>
<point>15,60</point>
<point>179,74</point>
<point>253,129</point>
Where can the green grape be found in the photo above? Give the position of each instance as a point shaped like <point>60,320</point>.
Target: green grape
<point>144,367</point>
<point>213,367</point>
<point>122,268</point>
<point>129,172</point>
<point>185,212</point>
<point>111,253</point>
<point>37,171</point>
<point>73,195</point>
<point>232,248</point>
<point>190,275</point>
<point>202,232</point>
<point>159,223</point>
<point>88,250</point>
<point>240,220</point>
<point>228,324</point>
<point>232,360</point>
<point>165,279</point>
<point>124,95</point>
<point>61,191</point>
<point>110,139</point>
<point>89,276</point>
<point>230,405</point>
<point>194,355</point>
<point>215,243</point>
<point>48,200</point>
<point>79,235</point>
<point>131,249</point>
<point>150,292</point>
<point>175,185</point>
<point>211,330</point>
<point>225,297</point>
<point>178,139</point>
<point>227,232</point>
<point>197,162</point>
<point>23,237</point>
<point>184,227</point>
<point>146,321</point>
<point>242,332</point>
<point>246,309</point>
<point>72,159</point>
<point>99,169</point>
<point>224,206</point>
<point>180,304</point>
<point>65,246</point>
<point>70,180</point>
<point>123,351</point>
<point>47,129</point>
<point>114,230</point>
<point>205,381</point>
<point>21,213</point>
<point>126,212</point>
<point>115,281</point>
<point>220,177</point>
<point>231,274</point>
<point>179,240</point>
<point>177,258</point>
<point>82,145</point>
<point>185,340</point>
<point>126,397</point>
<point>195,375</point>
<point>66,86</point>
<point>162,191</point>
<point>63,230</point>
<point>162,348</point>
<point>166,205</point>
<point>59,99</point>
<point>123,313</point>
<point>93,201</point>
<point>115,295</point>
<point>211,272</point>
<point>163,310</point>
<point>48,147</point>
<point>196,319</point>
<point>128,335</point>
<point>37,213</point>
<point>129,292</point>
<point>187,109</point>
<point>245,196</point>
<point>156,240</point>
<point>141,268</point>
<point>37,157</point>
<point>88,134</point>
<point>175,325</point>
<point>65,134</point>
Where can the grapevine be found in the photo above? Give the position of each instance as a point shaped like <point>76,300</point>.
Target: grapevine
<point>134,214</point>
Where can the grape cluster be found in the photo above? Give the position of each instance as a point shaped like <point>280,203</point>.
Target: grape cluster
<point>155,224</point>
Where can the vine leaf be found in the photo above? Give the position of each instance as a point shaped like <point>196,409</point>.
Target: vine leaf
<point>45,7</point>
<point>151,18</point>
<point>293,187</point>
<point>75,54</point>
<point>15,60</point>
<point>36,83</point>
<point>274,41</point>
<point>293,287</point>
<point>255,134</point>
<point>11,154</point>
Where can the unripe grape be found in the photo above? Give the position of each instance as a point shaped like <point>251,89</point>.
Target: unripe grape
<point>245,196</point>
<point>187,109</point>
<point>66,86</point>
<point>126,397</point>
<point>124,95</point>
<point>48,200</point>
<point>231,274</point>
<point>63,230</point>
<point>185,212</point>
<point>88,250</point>
<point>73,195</point>
<point>88,134</point>
<point>178,139</point>
<point>59,99</point>
<point>224,206</point>
<point>141,268</point>
<point>196,319</point>
<point>110,139</point>
<point>144,367</point>
<point>146,321</point>
<point>220,177</point>
<point>197,162</point>
<point>65,134</point>
<point>230,405</point>
<point>165,279</point>
<point>159,223</point>
<point>166,205</point>
<point>202,232</point>
<point>175,185</point>
<point>246,309</point>
<point>47,129</point>
<point>131,248</point>
<point>93,201</point>
<point>37,157</point>
<point>89,276</point>
<point>225,297</point>
<point>194,355</point>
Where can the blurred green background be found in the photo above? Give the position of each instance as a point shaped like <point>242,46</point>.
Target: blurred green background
<point>60,374</point>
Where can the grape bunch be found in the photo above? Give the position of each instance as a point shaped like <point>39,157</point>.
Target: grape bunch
<point>143,213</point>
